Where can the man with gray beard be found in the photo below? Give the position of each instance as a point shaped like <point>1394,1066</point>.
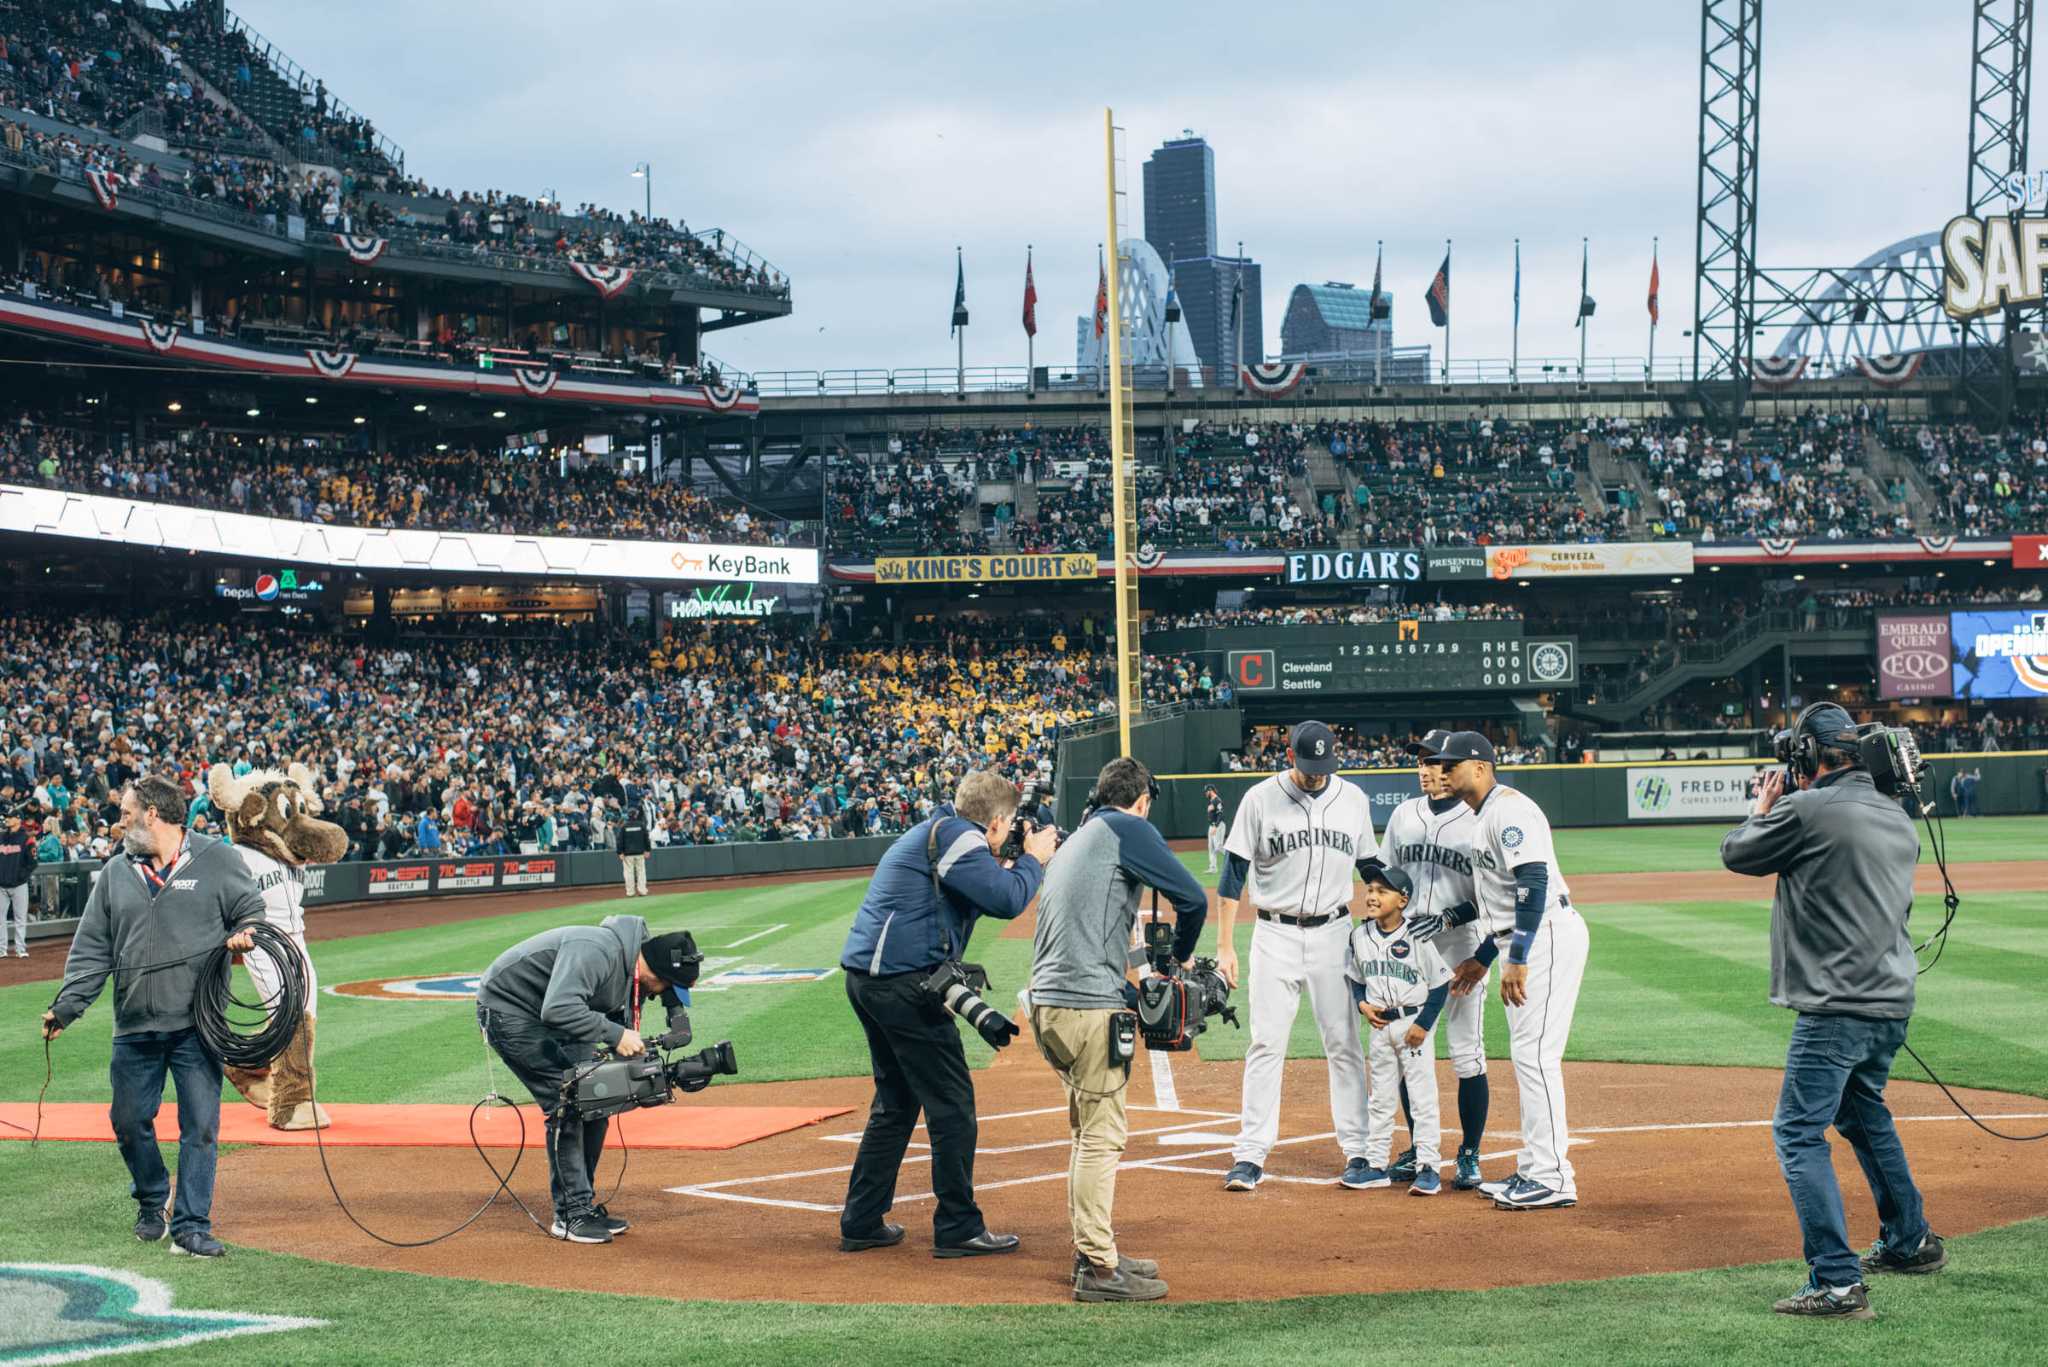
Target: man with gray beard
<point>166,899</point>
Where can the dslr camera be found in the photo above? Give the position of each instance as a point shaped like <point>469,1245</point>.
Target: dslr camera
<point>958,988</point>
<point>1175,1003</point>
<point>650,1079</point>
<point>1028,800</point>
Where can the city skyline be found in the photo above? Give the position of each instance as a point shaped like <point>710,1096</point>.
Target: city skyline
<point>1560,125</point>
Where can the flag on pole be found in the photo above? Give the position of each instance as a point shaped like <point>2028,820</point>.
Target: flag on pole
<point>1653,288</point>
<point>959,292</point>
<point>1585,299</point>
<point>1518,282</point>
<point>1380,307</point>
<point>1030,300</point>
<point>1101,294</point>
<point>1439,296</point>
<point>1236,294</point>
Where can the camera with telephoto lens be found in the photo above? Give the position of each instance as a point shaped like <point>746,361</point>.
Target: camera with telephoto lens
<point>958,988</point>
<point>1175,1003</point>
<point>1028,800</point>
<point>648,1079</point>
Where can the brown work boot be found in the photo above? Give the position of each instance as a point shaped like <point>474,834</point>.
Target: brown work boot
<point>1143,1267</point>
<point>1094,1283</point>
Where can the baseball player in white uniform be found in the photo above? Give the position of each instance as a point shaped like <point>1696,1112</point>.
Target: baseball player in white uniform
<point>1217,828</point>
<point>1430,839</point>
<point>1297,839</point>
<point>1400,984</point>
<point>1525,911</point>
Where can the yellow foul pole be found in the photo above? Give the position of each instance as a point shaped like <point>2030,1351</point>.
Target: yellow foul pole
<point>1129,674</point>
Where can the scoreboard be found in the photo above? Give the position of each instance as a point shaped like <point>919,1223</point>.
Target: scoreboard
<point>1382,658</point>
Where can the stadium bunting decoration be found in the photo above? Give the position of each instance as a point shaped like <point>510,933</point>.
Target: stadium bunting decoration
<point>1275,379</point>
<point>106,187</point>
<point>606,280</point>
<point>535,381</point>
<point>1776,370</point>
<point>721,397</point>
<point>362,248</point>
<point>1778,546</point>
<point>160,336</point>
<point>332,365</point>
<point>1936,545</point>
<point>1888,370</point>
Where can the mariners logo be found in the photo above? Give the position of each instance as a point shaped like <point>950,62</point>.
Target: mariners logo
<point>445,987</point>
<point>1511,837</point>
<point>1550,662</point>
<point>1653,794</point>
<point>1399,949</point>
<point>63,1312</point>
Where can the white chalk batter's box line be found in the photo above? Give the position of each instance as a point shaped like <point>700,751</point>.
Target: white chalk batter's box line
<point>726,1190</point>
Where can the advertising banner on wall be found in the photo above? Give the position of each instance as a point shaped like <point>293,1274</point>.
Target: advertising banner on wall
<point>1369,566</point>
<point>975,569</point>
<point>2030,552</point>
<point>1589,561</point>
<point>1693,792</point>
<point>1913,655</point>
<point>2000,653</point>
<point>401,880</point>
<point>1457,562</point>
<point>543,871</point>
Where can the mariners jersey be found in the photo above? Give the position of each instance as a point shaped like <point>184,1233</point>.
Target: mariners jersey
<point>1394,970</point>
<point>1215,811</point>
<point>284,891</point>
<point>1511,830</point>
<point>1434,849</point>
<point>1301,845</point>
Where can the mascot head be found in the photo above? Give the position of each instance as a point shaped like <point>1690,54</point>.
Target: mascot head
<point>276,813</point>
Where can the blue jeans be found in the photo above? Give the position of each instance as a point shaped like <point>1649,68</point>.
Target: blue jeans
<point>1835,1071</point>
<point>137,1071</point>
<point>540,1059</point>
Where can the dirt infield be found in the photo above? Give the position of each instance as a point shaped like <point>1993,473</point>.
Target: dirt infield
<point>1675,1172</point>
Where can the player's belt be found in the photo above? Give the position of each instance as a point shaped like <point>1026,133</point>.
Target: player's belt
<point>1503,936</point>
<point>1305,922</point>
<point>1394,1013</point>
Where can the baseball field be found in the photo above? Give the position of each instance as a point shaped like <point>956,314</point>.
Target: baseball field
<point>1683,1239</point>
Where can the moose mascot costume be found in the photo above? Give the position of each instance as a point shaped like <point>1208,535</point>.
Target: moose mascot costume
<point>271,817</point>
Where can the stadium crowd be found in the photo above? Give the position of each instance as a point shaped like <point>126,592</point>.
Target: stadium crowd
<point>445,490</point>
<point>734,732</point>
<point>1265,751</point>
<point>1984,484</point>
<point>1798,477</point>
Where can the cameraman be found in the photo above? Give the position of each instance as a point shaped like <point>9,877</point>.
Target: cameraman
<point>920,908</point>
<point>1085,915</point>
<point>1844,854</point>
<point>547,1005</point>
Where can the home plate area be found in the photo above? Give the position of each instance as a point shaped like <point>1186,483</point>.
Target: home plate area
<point>1675,1172</point>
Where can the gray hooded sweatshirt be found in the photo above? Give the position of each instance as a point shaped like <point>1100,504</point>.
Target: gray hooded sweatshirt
<point>575,980</point>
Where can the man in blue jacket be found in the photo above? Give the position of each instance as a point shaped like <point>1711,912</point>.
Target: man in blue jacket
<point>929,889</point>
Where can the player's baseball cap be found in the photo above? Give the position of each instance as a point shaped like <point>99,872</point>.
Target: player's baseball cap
<point>1431,743</point>
<point>1463,745</point>
<point>1393,878</point>
<point>1314,747</point>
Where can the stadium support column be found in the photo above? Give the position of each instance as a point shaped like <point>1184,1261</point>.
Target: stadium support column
<point>2001,58</point>
<point>1724,270</point>
<point>1123,480</point>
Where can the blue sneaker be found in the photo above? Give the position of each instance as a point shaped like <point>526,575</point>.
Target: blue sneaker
<point>1244,1177</point>
<point>1426,1183</point>
<point>1402,1169</point>
<point>1468,1170</point>
<point>1360,1175</point>
<point>1527,1195</point>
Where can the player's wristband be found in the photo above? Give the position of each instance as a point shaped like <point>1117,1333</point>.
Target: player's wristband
<point>1518,946</point>
<point>1488,951</point>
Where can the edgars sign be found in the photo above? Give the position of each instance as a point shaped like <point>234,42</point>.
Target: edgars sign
<point>1355,567</point>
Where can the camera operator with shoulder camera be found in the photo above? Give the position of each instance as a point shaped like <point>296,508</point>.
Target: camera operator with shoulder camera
<point>1844,851</point>
<point>905,980</point>
<point>547,1005</point>
<point>1080,956</point>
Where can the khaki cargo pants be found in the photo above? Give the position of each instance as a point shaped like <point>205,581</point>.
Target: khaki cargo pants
<point>1076,1043</point>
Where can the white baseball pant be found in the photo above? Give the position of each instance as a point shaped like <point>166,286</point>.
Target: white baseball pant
<point>1536,1037</point>
<point>15,900</point>
<point>1284,960</point>
<point>1463,1021</point>
<point>1217,835</point>
<point>1391,1062</point>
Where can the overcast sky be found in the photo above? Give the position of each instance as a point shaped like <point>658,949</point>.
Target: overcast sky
<point>853,145</point>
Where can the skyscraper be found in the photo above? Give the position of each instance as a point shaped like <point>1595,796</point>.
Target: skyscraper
<point>1205,286</point>
<point>1180,199</point>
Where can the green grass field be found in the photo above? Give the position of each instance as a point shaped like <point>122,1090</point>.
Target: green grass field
<point>1678,983</point>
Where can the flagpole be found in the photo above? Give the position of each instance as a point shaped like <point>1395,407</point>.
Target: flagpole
<point>960,336</point>
<point>1584,260</point>
<point>1447,311</point>
<point>1030,339</point>
<point>1237,317</point>
<point>1379,351</point>
<point>1650,369</point>
<point>1515,346</point>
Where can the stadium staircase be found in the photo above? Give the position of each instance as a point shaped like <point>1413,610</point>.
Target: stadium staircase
<point>266,144</point>
<point>1885,463</point>
<point>1326,476</point>
<point>1709,661</point>
<point>1608,471</point>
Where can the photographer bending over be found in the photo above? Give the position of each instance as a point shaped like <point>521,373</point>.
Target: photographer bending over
<point>934,882</point>
<point>1085,917</point>
<point>547,1005</point>
<point>1844,855</point>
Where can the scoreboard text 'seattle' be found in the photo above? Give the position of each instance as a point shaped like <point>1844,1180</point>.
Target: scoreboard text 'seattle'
<point>1413,656</point>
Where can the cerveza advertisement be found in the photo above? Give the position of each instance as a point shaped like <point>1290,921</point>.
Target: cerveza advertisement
<point>2000,653</point>
<point>103,518</point>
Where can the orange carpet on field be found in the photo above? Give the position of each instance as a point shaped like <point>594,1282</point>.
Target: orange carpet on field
<point>681,1126</point>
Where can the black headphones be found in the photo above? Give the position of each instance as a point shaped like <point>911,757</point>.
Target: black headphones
<point>1819,725</point>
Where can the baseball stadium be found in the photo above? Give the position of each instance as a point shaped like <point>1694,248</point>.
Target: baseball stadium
<point>1106,834</point>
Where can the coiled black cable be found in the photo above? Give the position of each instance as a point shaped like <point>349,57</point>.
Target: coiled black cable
<point>245,1033</point>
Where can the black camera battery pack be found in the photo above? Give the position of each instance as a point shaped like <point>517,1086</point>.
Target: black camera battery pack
<point>1123,1037</point>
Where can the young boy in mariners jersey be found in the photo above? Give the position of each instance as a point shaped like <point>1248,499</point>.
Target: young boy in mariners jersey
<point>1400,984</point>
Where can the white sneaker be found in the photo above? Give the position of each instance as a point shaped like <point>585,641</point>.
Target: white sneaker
<point>1492,1190</point>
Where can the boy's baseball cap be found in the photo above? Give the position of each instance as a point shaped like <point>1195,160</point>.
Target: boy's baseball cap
<point>1393,878</point>
<point>1464,745</point>
<point>1432,743</point>
<point>1314,747</point>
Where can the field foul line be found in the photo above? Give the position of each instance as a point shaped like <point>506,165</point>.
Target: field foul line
<point>1182,1162</point>
<point>748,939</point>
